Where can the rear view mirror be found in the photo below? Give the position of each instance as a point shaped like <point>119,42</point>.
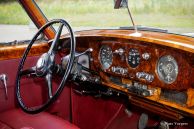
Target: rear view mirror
<point>124,4</point>
<point>120,4</point>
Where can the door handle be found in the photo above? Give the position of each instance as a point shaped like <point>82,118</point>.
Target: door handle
<point>3,79</point>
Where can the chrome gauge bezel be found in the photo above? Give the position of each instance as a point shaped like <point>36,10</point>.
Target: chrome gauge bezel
<point>167,69</point>
<point>105,66</point>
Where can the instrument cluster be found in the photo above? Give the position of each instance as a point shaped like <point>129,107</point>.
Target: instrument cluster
<point>106,56</point>
<point>133,63</point>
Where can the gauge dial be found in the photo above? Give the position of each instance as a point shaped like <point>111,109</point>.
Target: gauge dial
<point>105,56</point>
<point>167,69</point>
<point>133,57</point>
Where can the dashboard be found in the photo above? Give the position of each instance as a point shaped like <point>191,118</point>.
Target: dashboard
<point>152,70</point>
<point>151,65</point>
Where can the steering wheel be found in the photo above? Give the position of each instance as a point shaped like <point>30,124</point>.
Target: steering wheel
<point>45,66</point>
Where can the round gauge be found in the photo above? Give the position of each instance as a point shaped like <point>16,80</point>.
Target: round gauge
<point>167,69</point>
<point>133,57</point>
<point>105,56</point>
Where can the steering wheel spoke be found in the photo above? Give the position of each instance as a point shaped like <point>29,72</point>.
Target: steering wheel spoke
<point>54,46</point>
<point>48,78</point>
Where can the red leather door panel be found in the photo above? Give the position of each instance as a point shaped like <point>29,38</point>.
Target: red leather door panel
<point>33,90</point>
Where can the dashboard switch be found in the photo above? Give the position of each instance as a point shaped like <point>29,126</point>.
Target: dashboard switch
<point>119,70</point>
<point>140,89</point>
<point>143,75</point>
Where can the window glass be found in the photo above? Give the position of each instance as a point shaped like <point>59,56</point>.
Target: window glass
<point>177,16</point>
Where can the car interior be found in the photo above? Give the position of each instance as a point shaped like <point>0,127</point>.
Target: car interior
<point>96,79</point>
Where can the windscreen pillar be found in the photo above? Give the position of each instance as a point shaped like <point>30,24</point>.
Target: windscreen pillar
<point>37,16</point>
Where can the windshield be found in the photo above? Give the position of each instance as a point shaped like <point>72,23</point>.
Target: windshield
<point>177,16</point>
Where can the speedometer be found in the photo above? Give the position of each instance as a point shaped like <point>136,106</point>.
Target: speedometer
<point>167,69</point>
<point>105,56</point>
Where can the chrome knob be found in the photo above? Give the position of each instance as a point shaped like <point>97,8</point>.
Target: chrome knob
<point>113,69</point>
<point>149,77</point>
<point>146,56</point>
<point>120,51</point>
<point>119,70</point>
<point>140,75</point>
<point>83,78</point>
<point>122,71</point>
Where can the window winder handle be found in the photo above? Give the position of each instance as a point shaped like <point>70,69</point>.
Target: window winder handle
<point>3,79</point>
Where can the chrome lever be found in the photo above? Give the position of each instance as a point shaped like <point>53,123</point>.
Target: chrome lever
<point>80,54</point>
<point>3,78</point>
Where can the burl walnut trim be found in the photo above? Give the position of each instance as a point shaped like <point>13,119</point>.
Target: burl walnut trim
<point>184,79</point>
<point>156,97</point>
<point>14,52</point>
<point>171,40</point>
<point>157,109</point>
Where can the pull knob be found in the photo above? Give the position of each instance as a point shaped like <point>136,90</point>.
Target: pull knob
<point>146,56</point>
<point>3,78</point>
<point>120,51</point>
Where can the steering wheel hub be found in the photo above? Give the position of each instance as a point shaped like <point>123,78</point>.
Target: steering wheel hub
<point>43,64</point>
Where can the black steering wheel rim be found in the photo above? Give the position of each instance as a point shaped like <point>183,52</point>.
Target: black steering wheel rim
<point>66,74</point>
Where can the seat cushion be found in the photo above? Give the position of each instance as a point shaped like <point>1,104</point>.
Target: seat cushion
<point>17,119</point>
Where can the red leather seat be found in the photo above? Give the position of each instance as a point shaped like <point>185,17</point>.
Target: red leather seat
<point>17,119</point>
